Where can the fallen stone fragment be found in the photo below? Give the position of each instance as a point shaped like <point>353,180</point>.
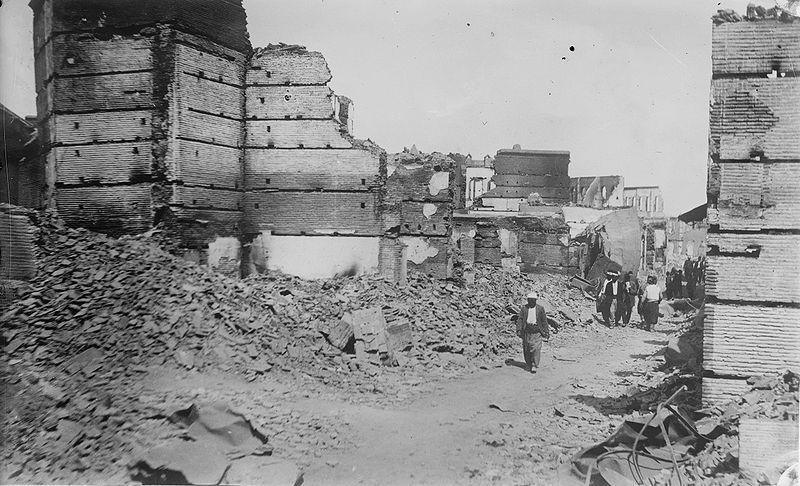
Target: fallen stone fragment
<point>87,361</point>
<point>263,471</point>
<point>180,462</point>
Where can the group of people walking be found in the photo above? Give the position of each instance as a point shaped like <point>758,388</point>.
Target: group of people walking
<point>617,298</point>
<point>693,273</point>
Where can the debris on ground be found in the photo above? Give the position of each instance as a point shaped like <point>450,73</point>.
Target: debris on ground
<point>703,445</point>
<point>102,313</point>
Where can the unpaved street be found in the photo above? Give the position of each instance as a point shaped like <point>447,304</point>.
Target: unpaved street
<point>496,425</point>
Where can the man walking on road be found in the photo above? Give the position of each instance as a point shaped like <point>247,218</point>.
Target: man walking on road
<point>609,299</point>
<point>532,326</point>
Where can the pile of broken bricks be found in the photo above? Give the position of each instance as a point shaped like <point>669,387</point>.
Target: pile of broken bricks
<point>103,312</point>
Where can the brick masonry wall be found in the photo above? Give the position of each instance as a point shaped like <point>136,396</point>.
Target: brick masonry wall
<point>141,107</point>
<point>158,111</point>
<point>754,168</point>
<point>304,175</point>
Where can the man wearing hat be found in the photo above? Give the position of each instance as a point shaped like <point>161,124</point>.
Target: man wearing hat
<point>610,293</point>
<point>532,326</point>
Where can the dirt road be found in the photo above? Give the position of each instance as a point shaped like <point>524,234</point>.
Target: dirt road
<point>500,425</point>
<point>494,426</point>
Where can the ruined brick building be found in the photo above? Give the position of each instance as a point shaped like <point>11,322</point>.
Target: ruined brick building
<point>753,309</point>
<point>159,113</point>
<point>597,192</point>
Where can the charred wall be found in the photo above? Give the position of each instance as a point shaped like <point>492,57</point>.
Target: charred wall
<point>141,108</point>
<point>754,205</point>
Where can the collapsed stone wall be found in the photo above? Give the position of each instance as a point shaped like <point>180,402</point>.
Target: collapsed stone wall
<point>160,114</point>
<point>754,208</point>
<point>313,193</point>
<point>141,106</point>
<point>417,214</point>
<point>532,243</point>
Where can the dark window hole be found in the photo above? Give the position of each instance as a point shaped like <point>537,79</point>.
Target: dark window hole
<point>77,125</point>
<point>363,205</point>
<point>136,150</point>
<point>268,180</point>
<point>255,205</point>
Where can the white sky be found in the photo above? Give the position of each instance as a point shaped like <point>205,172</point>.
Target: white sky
<point>475,76</point>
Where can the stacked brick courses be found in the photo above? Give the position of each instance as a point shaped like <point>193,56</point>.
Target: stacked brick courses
<point>519,173</point>
<point>754,205</point>
<point>141,106</point>
<point>305,175</point>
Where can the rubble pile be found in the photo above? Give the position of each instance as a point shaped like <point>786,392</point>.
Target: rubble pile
<point>709,454</point>
<point>770,397</point>
<point>101,312</point>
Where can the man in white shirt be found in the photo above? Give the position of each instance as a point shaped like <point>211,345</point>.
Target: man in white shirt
<point>532,326</point>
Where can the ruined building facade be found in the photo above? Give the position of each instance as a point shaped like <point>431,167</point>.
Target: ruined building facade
<point>753,306</point>
<point>519,173</point>
<point>597,192</point>
<point>159,112</point>
<point>141,107</point>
